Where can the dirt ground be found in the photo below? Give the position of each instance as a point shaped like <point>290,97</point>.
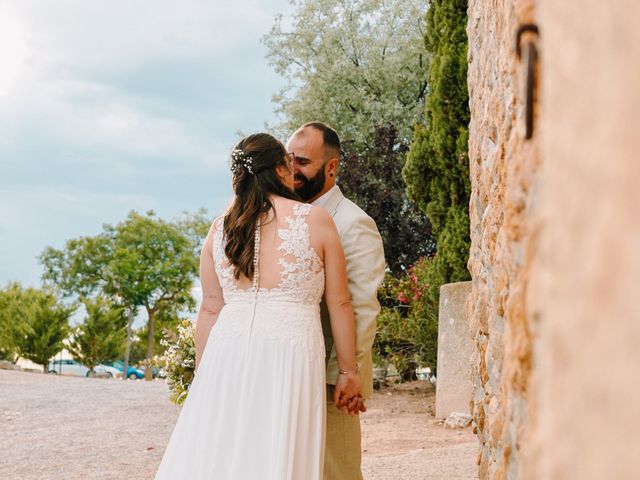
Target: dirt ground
<point>82,428</point>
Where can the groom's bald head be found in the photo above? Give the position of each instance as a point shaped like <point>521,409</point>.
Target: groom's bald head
<point>330,138</point>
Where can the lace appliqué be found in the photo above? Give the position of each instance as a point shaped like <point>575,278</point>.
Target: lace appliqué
<point>223,269</point>
<point>288,312</point>
<point>300,273</point>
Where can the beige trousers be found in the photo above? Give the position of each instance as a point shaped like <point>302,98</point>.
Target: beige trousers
<point>343,445</point>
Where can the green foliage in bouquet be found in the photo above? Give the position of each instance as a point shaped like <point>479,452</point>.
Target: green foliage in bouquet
<point>179,360</point>
<point>407,333</point>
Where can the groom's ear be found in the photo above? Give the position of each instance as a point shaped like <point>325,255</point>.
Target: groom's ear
<point>332,166</point>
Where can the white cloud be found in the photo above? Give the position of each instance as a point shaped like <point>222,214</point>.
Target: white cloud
<point>119,105</point>
<point>13,50</point>
<point>83,58</point>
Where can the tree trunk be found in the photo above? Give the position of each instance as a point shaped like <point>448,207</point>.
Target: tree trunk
<point>148,375</point>
<point>127,350</point>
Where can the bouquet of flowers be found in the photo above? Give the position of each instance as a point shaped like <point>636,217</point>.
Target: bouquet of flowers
<point>179,360</point>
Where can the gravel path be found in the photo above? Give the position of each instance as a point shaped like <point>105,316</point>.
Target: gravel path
<point>82,428</point>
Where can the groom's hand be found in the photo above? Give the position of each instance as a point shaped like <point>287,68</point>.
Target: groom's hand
<point>356,405</point>
<point>352,406</point>
<point>346,394</point>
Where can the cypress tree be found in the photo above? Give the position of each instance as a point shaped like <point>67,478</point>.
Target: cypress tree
<point>437,168</point>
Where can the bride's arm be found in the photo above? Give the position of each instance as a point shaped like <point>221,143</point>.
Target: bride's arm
<point>212,300</point>
<point>338,300</point>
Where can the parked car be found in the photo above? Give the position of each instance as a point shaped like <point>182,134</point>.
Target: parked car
<point>74,368</point>
<point>132,372</point>
<point>106,371</point>
<point>67,366</point>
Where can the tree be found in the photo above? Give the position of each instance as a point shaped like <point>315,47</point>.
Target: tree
<point>13,315</point>
<point>355,64</point>
<point>100,338</point>
<point>142,262</point>
<point>361,66</point>
<point>45,324</point>
<point>437,168</point>
<point>167,321</point>
<point>405,231</point>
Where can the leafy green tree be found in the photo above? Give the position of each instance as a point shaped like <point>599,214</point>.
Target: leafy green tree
<point>361,67</point>
<point>13,324</point>
<point>373,179</point>
<point>101,337</point>
<point>437,167</point>
<point>45,324</point>
<point>142,262</point>
<point>167,321</point>
<point>355,64</point>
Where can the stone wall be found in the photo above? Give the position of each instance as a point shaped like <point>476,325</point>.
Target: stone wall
<point>584,287</point>
<point>555,255</point>
<point>504,168</point>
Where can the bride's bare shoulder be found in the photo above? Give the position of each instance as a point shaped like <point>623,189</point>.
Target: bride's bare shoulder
<point>217,224</point>
<point>318,216</point>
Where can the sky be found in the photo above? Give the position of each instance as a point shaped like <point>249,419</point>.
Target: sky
<point>107,107</point>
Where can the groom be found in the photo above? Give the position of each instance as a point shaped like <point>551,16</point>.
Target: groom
<point>316,148</point>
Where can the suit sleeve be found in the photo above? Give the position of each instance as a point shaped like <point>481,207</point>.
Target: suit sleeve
<point>365,261</point>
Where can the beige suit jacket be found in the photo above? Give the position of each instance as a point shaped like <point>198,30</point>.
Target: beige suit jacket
<point>364,254</point>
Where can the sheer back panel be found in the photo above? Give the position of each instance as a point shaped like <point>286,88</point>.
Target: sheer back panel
<point>289,266</point>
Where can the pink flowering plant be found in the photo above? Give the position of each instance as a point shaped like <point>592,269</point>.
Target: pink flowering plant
<point>408,323</point>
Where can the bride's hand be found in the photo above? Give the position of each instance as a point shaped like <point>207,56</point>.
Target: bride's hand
<point>346,395</point>
<point>356,405</point>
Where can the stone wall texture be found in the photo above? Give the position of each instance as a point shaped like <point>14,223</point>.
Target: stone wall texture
<point>504,168</point>
<point>555,228</point>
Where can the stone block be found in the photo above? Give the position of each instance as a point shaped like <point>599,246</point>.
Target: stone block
<point>455,346</point>
<point>457,420</point>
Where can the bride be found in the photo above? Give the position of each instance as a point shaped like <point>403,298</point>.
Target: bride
<point>256,408</point>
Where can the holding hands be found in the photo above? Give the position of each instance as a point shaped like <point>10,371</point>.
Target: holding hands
<point>346,394</point>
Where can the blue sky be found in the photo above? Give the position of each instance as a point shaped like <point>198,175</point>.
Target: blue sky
<point>111,106</point>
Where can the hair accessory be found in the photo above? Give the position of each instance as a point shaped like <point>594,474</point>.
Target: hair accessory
<point>241,159</point>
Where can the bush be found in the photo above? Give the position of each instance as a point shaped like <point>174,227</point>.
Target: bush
<point>408,323</point>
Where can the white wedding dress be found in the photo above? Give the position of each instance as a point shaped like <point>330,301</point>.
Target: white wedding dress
<point>256,408</point>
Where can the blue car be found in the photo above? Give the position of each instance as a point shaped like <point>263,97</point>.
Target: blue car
<point>132,372</point>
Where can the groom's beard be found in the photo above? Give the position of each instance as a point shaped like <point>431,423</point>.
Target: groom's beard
<point>310,187</point>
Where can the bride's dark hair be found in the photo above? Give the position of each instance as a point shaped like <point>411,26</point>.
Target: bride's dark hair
<point>253,162</point>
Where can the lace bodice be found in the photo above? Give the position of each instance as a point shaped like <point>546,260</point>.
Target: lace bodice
<point>301,276</point>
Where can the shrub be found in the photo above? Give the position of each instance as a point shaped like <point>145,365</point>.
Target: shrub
<point>408,323</point>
